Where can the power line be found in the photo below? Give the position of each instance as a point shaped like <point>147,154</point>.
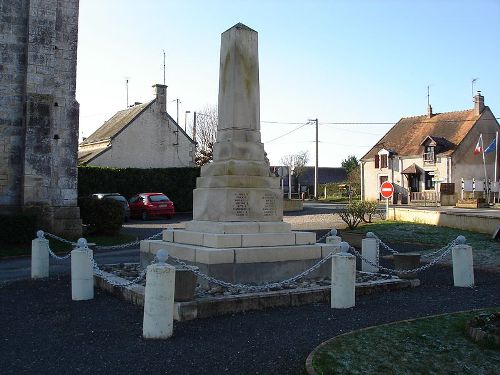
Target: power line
<point>291,131</point>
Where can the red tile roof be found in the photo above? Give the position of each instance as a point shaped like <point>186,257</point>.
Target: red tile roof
<point>406,136</point>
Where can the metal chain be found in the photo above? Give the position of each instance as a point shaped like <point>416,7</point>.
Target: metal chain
<point>390,270</point>
<point>252,288</point>
<point>323,237</point>
<point>122,246</point>
<point>444,248</point>
<point>58,257</point>
<point>385,246</point>
<point>58,238</point>
<point>102,274</point>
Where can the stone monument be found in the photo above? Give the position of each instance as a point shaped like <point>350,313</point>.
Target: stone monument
<point>237,233</point>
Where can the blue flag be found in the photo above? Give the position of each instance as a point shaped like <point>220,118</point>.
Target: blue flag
<point>492,147</point>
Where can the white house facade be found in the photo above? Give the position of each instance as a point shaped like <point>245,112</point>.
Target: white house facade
<point>142,136</point>
<point>427,155</point>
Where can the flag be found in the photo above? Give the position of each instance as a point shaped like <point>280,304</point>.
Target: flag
<point>492,147</point>
<point>479,145</point>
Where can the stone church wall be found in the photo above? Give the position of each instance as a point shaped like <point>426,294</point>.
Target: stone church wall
<point>39,112</point>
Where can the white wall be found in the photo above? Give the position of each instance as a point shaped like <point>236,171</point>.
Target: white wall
<point>148,142</point>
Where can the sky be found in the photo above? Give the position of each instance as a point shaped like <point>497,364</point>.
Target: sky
<point>356,66</point>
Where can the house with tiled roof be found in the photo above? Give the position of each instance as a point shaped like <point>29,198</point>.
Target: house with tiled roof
<point>424,156</point>
<point>141,136</point>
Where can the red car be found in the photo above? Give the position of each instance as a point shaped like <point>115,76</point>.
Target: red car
<point>146,205</point>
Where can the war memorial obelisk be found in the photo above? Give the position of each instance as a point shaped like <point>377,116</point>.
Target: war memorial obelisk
<point>237,233</point>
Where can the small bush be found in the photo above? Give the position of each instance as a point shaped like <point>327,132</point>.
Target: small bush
<point>103,216</point>
<point>17,229</point>
<point>352,214</point>
<point>369,209</point>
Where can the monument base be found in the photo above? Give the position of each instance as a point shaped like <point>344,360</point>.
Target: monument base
<point>255,255</point>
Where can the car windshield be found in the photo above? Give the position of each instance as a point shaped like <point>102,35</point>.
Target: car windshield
<point>116,198</point>
<point>158,198</point>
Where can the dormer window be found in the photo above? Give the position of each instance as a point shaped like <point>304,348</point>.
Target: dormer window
<point>382,159</point>
<point>429,154</point>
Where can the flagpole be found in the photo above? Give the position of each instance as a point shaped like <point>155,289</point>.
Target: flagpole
<point>484,165</point>
<point>496,155</point>
<point>496,163</point>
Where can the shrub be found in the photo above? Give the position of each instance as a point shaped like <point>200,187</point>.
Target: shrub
<point>369,209</point>
<point>103,216</point>
<point>17,229</point>
<point>352,214</point>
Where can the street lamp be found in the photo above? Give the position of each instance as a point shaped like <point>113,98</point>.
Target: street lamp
<point>185,119</point>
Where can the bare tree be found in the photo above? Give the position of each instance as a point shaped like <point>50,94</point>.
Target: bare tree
<point>296,163</point>
<point>206,134</point>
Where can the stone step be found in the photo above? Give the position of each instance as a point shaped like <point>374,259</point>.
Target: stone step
<point>222,241</point>
<point>237,227</point>
<point>253,255</point>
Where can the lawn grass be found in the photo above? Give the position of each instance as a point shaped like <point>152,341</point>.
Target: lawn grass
<point>60,247</point>
<point>436,345</point>
<point>401,231</point>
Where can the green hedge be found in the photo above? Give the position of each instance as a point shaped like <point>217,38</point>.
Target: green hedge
<point>103,216</point>
<point>176,183</point>
<point>17,229</point>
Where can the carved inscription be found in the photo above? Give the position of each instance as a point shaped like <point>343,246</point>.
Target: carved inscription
<point>269,207</point>
<point>240,207</point>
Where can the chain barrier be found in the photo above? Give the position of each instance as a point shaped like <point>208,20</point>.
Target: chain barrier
<point>122,246</point>
<point>104,275</point>
<point>58,257</point>
<point>429,255</point>
<point>447,250</point>
<point>58,238</point>
<point>135,243</point>
<point>251,288</point>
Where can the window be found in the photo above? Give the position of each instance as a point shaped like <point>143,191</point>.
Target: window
<point>429,183</point>
<point>383,161</point>
<point>429,154</point>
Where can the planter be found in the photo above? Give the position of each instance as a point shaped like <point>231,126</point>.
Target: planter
<point>407,261</point>
<point>185,283</point>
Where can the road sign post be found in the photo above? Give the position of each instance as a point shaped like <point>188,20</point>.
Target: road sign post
<point>386,190</point>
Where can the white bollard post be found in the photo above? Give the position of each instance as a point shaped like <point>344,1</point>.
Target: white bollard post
<point>158,322</point>
<point>39,256</point>
<point>463,266</point>
<point>342,293</point>
<point>333,238</point>
<point>82,273</point>
<point>369,250</point>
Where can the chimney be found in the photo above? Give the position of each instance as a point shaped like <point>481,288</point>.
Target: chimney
<point>161,97</point>
<point>478,103</point>
<point>429,111</point>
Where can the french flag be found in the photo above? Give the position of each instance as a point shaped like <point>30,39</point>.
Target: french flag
<point>479,145</point>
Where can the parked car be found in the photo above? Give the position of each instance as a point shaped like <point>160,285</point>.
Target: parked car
<point>116,197</point>
<point>147,205</point>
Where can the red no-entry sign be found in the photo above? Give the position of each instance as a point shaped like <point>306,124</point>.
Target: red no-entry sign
<point>386,189</point>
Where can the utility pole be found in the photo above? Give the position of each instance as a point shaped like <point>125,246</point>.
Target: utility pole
<point>178,101</point>
<point>194,129</point>
<point>316,165</point>
<point>126,84</point>
<point>185,119</point>
<point>164,67</point>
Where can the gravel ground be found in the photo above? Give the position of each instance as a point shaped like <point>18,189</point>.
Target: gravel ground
<point>44,332</point>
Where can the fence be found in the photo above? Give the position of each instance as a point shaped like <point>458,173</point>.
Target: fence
<point>160,276</point>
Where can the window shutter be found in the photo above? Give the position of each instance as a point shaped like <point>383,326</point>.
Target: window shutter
<point>377,160</point>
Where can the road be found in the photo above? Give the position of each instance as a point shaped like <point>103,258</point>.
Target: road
<point>20,268</point>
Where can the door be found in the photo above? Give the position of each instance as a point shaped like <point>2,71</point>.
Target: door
<point>381,180</point>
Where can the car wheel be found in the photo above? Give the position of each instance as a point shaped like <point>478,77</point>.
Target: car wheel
<point>169,216</point>
<point>145,215</point>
